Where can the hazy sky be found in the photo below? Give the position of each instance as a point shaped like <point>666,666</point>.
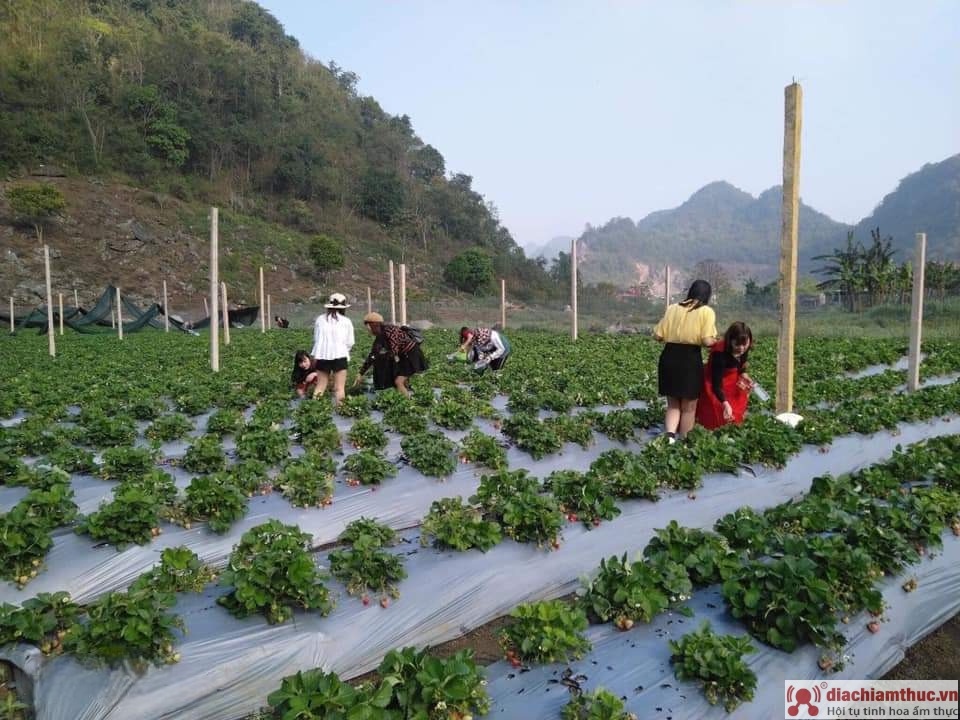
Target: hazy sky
<point>572,112</point>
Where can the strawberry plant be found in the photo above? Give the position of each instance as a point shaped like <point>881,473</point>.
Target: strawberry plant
<point>677,466</point>
<point>154,482</point>
<point>109,431</point>
<point>582,497</point>
<point>205,455</point>
<point>316,695</point>
<point>626,592</point>
<point>599,705</point>
<point>405,418</point>
<point>716,661</point>
<point>514,501</point>
<point>432,688</point>
<point>383,534</point>
<point>321,438</point>
<point>193,401</point>
<point>35,436</point>
<point>308,480</point>
<point>169,427</point>
<point>133,516</point>
<point>12,470</point>
<point>706,556</point>
<point>448,413</point>
<point>52,503</point>
<point>545,632</point>
<point>145,408</point>
<point>367,434</point>
<point>368,467</point>
<point>215,500</point>
<point>250,476</point>
<point>270,412</point>
<point>430,453</point>
<point>454,524</point>
<point>625,474</point>
<point>744,529</point>
<point>308,415</point>
<point>126,463</point>
<point>42,621</point>
<point>133,625</point>
<point>532,435</point>
<point>272,573</point>
<point>354,406</point>
<point>225,422</point>
<point>180,570</point>
<point>366,565</point>
<point>68,458</point>
<point>483,449</point>
<point>24,541</point>
<point>269,445</point>
<point>572,428</point>
<point>617,425</point>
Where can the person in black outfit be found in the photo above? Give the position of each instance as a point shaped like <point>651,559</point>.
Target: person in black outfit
<point>394,357</point>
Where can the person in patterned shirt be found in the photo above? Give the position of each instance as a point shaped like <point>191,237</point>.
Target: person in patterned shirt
<point>395,355</point>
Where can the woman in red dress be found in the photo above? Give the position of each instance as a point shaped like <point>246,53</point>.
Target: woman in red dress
<point>726,385</point>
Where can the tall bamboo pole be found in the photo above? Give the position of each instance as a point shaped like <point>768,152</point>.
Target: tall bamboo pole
<point>206,307</point>
<point>263,309</point>
<point>166,309</point>
<point>667,288</point>
<point>60,295</point>
<point>403,293</point>
<point>214,290</point>
<point>13,325</point>
<point>119,317</point>
<point>225,313</point>
<point>793,116</point>
<point>573,288</point>
<point>369,300</point>
<point>76,299</point>
<point>51,340</point>
<point>916,313</point>
<point>503,303</point>
<point>269,315</point>
<point>393,297</point>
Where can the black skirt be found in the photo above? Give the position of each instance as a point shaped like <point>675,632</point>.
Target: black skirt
<point>680,371</point>
<point>411,363</point>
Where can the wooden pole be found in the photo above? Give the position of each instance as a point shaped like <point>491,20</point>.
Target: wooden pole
<point>113,318</point>
<point>76,299</point>
<point>214,290</point>
<point>667,287</point>
<point>393,297</point>
<point>13,325</point>
<point>503,303</point>
<point>263,309</point>
<point>916,313</point>
<point>61,312</point>
<point>119,317</point>
<point>793,116</point>
<point>166,309</point>
<point>369,300</point>
<point>573,288</point>
<point>51,340</point>
<point>269,315</point>
<point>403,294</point>
<point>206,307</point>
<point>225,313</point>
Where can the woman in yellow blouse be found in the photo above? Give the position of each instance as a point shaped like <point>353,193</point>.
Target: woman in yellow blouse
<point>685,328</point>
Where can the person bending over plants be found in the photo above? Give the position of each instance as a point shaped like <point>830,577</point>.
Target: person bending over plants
<point>726,385</point>
<point>395,355</point>
<point>304,376</point>
<point>484,347</point>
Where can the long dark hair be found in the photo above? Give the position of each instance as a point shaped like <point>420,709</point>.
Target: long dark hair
<point>335,313</point>
<point>299,374</point>
<point>739,333</point>
<point>697,295</point>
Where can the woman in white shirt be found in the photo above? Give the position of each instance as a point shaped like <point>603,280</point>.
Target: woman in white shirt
<point>332,340</point>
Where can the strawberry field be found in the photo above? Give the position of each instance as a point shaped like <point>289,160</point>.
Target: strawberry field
<point>181,544</point>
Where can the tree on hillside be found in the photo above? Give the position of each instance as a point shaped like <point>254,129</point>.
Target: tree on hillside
<point>713,273</point>
<point>842,270</point>
<point>863,275</point>
<point>35,204</point>
<point>470,271</point>
<point>326,253</point>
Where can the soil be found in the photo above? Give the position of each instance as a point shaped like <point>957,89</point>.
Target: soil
<point>936,657</point>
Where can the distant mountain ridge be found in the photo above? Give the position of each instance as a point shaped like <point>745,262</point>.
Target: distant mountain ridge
<point>724,223</point>
<point>549,250</point>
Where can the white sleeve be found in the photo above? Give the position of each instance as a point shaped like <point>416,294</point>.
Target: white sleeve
<point>317,333</point>
<point>498,347</point>
<point>349,336</point>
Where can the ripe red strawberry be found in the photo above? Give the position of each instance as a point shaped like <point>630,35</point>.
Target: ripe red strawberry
<point>384,602</point>
<point>873,626</point>
<point>365,599</point>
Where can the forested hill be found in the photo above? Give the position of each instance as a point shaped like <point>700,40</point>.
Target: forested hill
<point>925,201</point>
<point>718,222</point>
<point>212,102</point>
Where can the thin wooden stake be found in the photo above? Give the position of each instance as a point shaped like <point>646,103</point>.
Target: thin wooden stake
<point>667,288</point>
<point>206,307</point>
<point>263,309</point>
<point>51,340</point>
<point>76,299</point>
<point>573,288</point>
<point>503,303</point>
<point>393,298</point>
<point>916,313</point>
<point>793,115</point>
<point>269,315</point>
<point>166,309</point>
<point>403,294</point>
<point>225,313</point>
<point>214,290</point>
<point>13,325</point>
<point>119,317</point>
<point>113,318</point>
<point>60,295</point>
<point>369,300</point>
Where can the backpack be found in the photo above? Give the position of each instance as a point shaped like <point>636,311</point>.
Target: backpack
<point>412,333</point>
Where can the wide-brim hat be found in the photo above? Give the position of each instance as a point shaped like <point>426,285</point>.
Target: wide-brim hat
<point>372,317</point>
<point>337,301</point>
